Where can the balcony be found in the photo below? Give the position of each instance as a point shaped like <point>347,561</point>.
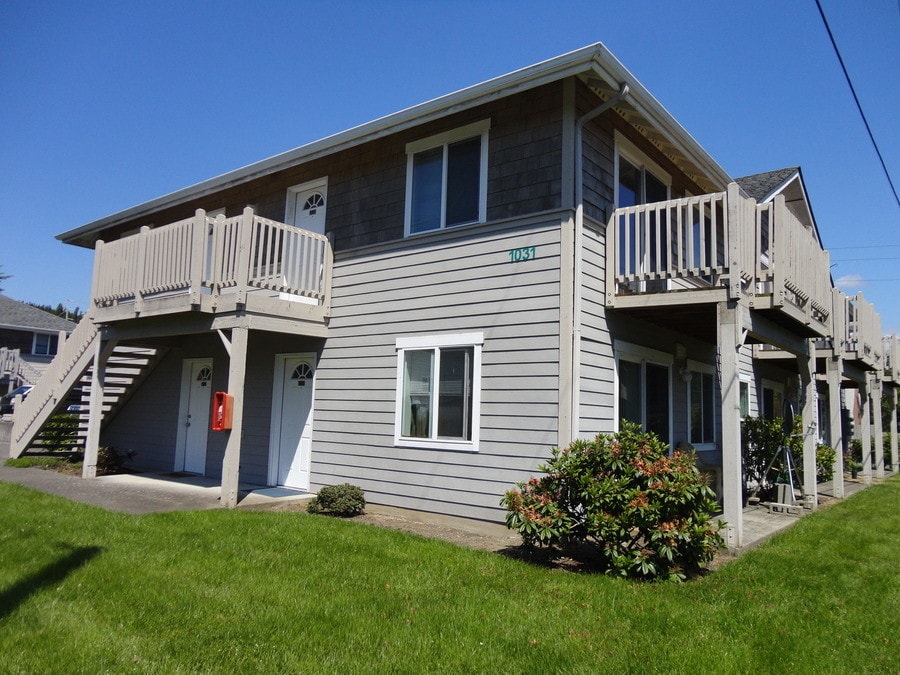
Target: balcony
<point>714,247</point>
<point>857,331</point>
<point>892,359</point>
<point>214,265</point>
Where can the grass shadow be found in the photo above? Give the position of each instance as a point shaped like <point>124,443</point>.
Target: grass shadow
<point>50,574</point>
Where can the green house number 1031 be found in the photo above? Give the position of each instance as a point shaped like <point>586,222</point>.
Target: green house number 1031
<point>523,254</point>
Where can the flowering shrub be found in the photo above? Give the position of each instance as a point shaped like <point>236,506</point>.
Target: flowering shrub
<point>647,514</point>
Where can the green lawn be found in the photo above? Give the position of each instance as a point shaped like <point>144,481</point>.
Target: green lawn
<point>84,590</point>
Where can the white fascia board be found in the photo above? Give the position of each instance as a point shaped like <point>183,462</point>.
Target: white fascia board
<point>520,80</point>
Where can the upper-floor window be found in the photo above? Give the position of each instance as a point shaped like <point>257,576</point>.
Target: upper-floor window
<point>45,344</point>
<point>446,179</point>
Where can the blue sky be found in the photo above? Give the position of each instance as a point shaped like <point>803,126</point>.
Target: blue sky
<point>109,104</point>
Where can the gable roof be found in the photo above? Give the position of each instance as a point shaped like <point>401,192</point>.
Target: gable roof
<point>22,316</point>
<point>594,64</point>
<point>761,186</point>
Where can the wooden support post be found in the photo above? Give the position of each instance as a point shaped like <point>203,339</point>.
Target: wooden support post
<point>730,339</point>
<point>879,427</point>
<point>866,430</point>
<point>244,255</point>
<point>236,372</point>
<point>807,367</point>
<point>895,460</point>
<point>102,352</point>
<point>199,243</point>
<point>836,433</point>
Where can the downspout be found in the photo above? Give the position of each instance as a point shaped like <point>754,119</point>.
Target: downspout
<point>579,237</point>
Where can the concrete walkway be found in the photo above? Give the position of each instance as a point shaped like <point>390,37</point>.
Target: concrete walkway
<point>147,493</point>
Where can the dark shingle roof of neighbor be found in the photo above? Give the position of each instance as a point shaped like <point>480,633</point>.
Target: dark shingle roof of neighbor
<point>15,314</point>
<point>760,185</point>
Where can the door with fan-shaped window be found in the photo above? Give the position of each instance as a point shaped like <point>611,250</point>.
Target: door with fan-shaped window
<point>292,407</point>
<point>306,205</point>
<point>196,390</point>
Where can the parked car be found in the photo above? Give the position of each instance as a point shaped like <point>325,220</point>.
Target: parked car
<point>8,400</point>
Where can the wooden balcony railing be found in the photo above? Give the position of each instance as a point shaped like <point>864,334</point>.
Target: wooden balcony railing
<point>892,358</point>
<point>857,328</point>
<point>759,252</point>
<point>203,256</point>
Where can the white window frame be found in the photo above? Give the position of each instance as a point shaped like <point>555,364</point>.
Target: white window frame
<point>633,154</point>
<point>34,339</point>
<point>642,355</point>
<point>438,342</point>
<point>748,382</point>
<point>480,128</point>
<point>696,367</point>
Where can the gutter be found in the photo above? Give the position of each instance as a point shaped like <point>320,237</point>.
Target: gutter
<point>580,123</point>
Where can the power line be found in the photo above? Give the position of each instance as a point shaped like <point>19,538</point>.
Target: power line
<point>839,248</point>
<point>842,260</point>
<point>858,105</point>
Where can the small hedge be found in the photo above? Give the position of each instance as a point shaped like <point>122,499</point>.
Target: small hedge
<point>338,500</point>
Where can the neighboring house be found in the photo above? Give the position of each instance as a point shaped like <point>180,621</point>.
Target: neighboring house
<point>423,305</point>
<point>29,339</point>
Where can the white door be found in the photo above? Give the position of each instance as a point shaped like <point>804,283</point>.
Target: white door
<point>291,443</point>
<point>196,388</point>
<point>306,204</point>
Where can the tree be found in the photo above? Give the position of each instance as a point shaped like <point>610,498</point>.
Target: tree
<point>3,277</point>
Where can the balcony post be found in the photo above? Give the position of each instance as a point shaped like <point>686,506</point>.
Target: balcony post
<point>199,239</point>
<point>866,430</point>
<point>807,366</point>
<point>231,463</point>
<point>102,351</point>
<point>879,427</point>
<point>245,253</point>
<point>140,267</point>
<point>895,460</point>
<point>836,434</point>
<point>734,231</point>
<point>612,261</point>
<point>729,320</point>
<point>779,251</point>
<point>98,271</point>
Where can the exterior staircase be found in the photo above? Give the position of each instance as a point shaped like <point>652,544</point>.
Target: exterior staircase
<point>65,387</point>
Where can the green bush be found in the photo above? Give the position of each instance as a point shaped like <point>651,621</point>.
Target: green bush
<point>110,460</point>
<point>761,440</point>
<point>645,513</point>
<point>338,500</point>
<point>825,455</point>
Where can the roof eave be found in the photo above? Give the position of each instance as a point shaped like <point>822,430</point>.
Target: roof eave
<point>596,58</point>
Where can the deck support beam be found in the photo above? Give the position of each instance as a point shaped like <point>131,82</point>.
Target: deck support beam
<point>865,429</point>
<point>836,433</point>
<point>231,463</point>
<point>806,362</point>
<point>103,349</point>
<point>895,460</point>
<point>879,427</point>
<point>730,339</point>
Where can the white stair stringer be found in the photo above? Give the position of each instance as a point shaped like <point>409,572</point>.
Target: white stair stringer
<point>52,390</point>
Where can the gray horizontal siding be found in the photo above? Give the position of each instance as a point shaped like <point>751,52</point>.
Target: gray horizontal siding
<point>596,404</point>
<point>460,281</point>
